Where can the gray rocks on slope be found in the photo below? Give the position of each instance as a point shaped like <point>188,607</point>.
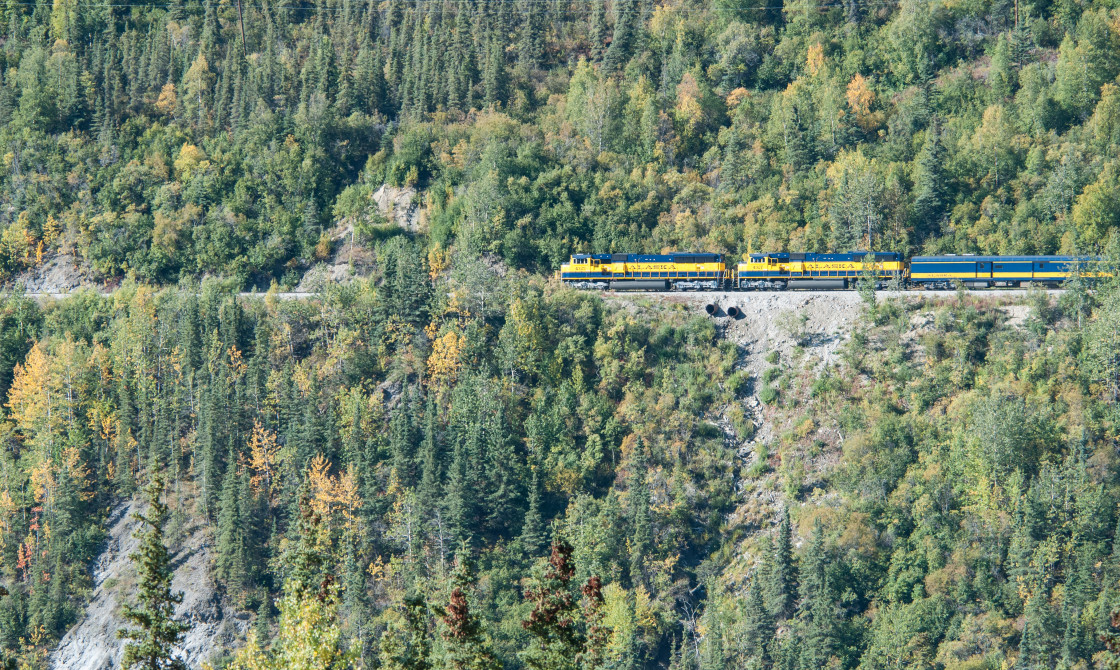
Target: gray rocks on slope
<point>398,204</point>
<point>92,644</point>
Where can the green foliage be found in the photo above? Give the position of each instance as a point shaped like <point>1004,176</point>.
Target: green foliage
<point>768,395</point>
<point>167,145</point>
<point>492,408</point>
<point>866,283</point>
<point>963,479</point>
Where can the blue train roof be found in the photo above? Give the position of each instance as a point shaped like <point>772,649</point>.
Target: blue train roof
<point>968,258</point>
<point>674,257</point>
<point>814,257</point>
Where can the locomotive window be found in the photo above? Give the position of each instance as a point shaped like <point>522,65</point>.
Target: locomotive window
<point>999,266</point>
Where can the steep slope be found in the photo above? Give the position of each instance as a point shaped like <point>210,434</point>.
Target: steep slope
<point>93,645</point>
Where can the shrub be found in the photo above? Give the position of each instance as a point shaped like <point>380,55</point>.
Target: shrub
<point>768,395</point>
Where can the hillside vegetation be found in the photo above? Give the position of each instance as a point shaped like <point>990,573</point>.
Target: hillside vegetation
<point>182,139</point>
<point>454,463</point>
<point>943,494</point>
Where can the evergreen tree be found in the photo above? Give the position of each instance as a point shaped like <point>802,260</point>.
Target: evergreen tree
<point>929,188</point>
<point>262,626</point>
<point>780,589</point>
<point>625,34</point>
<point>1002,76</point>
<point>553,622</point>
<point>817,613</point>
<point>532,526</point>
<point>641,524</point>
<point>460,499</point>
<point>758,625</point>
<point>530,46</point>
<point>597,35</point>
<point>598,633</point>
<point>406,644</point>
<point>155,634</point>
<point>309,636</point>
<point>229,564</point>
<point>402,440</point>
<point>1038,648</point>
<point>494,76</point>
<point>431,471</point>
<point>467,647</point>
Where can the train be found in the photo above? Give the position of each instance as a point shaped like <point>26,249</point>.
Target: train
<point>690,271</point>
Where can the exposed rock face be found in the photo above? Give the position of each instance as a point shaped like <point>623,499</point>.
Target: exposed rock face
<point>61,273</point>
<point>92,644</point>
<point>398,204</point>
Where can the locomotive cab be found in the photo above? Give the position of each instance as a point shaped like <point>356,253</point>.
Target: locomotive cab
<point>587,271</point>
<point>764,271</point>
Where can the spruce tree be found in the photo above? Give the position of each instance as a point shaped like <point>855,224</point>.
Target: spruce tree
<point>1001,74</point>
<point>598,633</point>
<point>597,34</point>
<point>309,635</point>
<point>758,625</point>
<point>625,34</point>
<point>406,643</point>
<point>553,623</point>
<point>262,626</point>
<point>530,46</point>
<point>431,471</point>
<point>229,565</point>
<point>781,573</point>
<point>929,189</point>
<point>532,527</point>
<point>494,77</point>
<point>467,647</point>
<point>817,613</point>
<point>156,632</point>
<point>1037,648</point>
<point>402,441</point>
<point>641,538</point>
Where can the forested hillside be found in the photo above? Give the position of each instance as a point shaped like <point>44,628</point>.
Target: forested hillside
<point>455,463</point>
<point>186,138</point>
<point>455,470</point>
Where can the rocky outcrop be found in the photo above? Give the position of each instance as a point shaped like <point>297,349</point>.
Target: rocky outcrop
<point>398,204</point>
<point>60,273</point>
<point>92,644</point>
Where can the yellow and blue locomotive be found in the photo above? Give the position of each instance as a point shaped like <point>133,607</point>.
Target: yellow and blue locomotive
<point>817,271</point>
<point>648,272</point>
